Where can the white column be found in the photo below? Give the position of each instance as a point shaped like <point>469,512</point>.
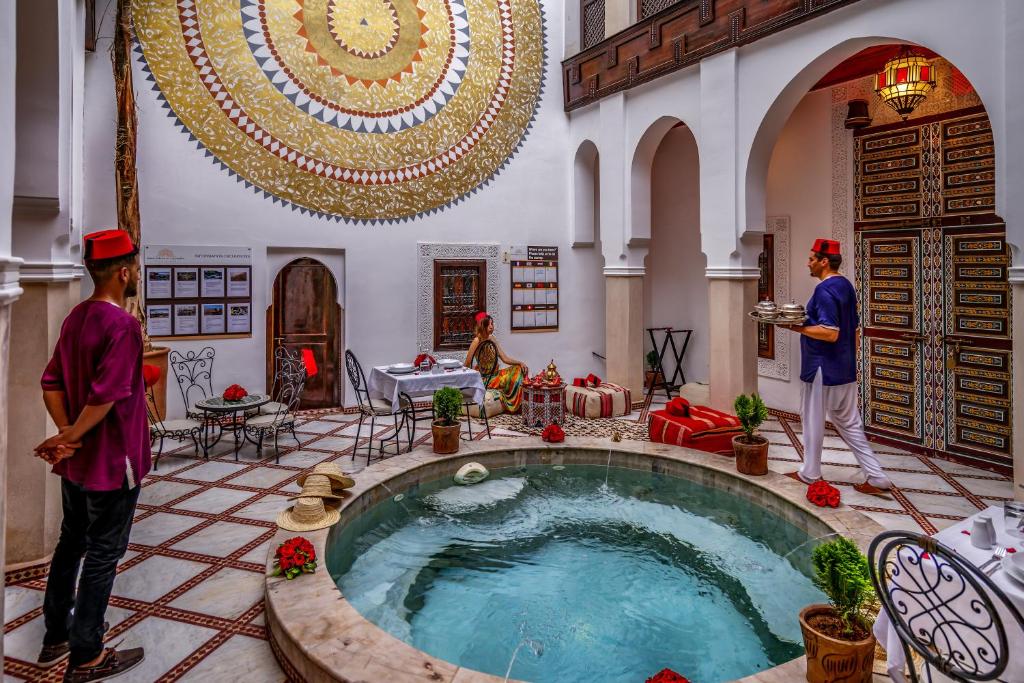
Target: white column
<point>1017,382</point>
<point>9,289</point>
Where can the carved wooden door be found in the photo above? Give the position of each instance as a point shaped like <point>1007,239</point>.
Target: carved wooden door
<point>305,315</point>
<point>460,291</point>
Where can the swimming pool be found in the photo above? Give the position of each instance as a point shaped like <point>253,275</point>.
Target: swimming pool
<point>579,572</point>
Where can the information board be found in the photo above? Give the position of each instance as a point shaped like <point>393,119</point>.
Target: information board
<point>534,288</point>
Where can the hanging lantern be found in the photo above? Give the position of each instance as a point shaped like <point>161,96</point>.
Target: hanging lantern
<point>905,82</point>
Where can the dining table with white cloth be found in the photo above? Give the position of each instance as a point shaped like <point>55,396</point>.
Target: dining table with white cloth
<point>386,385</point>
<point>954,537</point>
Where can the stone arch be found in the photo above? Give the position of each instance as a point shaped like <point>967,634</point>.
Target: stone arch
<point>586,199</point>
<point>638,232</point>
<point>794,86</point>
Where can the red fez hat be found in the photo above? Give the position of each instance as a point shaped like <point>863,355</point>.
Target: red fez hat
<point>828,247</point>
<point>480,316</point>
<point>108,244</point>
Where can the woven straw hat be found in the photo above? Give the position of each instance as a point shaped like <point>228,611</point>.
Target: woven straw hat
<point>332,471</point>
<point>317,486</point>
<point>308,514</point>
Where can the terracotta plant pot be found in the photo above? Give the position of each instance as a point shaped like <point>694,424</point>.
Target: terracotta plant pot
<point>446,439</point>
<point>158,357</point>
<point>830,660</point>
<point>651,378</point>
<point>751,458</point>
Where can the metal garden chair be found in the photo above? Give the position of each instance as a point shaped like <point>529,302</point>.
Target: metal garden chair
<point>372,408</point>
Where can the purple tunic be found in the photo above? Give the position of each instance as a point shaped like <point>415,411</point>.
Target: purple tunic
<point>97,360</point>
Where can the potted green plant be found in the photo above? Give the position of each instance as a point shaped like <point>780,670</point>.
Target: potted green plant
<point>446,427</point>
<point>837,636</point>
<point>751,450</point>
<point>651,375</point>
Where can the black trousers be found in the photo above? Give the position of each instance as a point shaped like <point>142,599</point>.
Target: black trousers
<point>93,535</point>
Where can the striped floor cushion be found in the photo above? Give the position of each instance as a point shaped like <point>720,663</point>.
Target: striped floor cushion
<point>492,406</point>
<point>607,400</point>
<point>706,429</point>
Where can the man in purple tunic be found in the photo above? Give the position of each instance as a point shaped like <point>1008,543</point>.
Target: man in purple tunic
<point>93,390</point>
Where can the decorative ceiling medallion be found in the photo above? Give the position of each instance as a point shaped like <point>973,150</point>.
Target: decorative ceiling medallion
<point>369,110</point>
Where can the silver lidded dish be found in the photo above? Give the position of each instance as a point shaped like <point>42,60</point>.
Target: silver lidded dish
<point>766,309</point>
<point>792,311</point>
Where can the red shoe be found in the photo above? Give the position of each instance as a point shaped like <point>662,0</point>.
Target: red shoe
<point>870,490</point>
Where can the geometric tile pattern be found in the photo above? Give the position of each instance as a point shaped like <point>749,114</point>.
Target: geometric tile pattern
<point>190,588</point>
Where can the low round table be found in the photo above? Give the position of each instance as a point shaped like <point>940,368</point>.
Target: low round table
<point>216,406</point>
<point>543,404</point>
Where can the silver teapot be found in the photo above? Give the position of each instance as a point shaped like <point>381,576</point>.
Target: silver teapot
<point>792,311</point>
<point>766,309</point>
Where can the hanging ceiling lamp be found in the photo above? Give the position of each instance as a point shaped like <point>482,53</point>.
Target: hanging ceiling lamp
<point>905,81</point>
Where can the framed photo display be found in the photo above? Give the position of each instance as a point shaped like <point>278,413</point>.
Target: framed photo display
<point>198,291</point>
<point>535,288</point>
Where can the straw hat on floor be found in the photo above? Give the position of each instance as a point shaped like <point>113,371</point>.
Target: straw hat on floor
<point>318,486</point>
<point>308,514</point>
<point>339,480</point>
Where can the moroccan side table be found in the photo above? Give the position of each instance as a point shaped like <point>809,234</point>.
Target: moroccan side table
<point>543,404</point>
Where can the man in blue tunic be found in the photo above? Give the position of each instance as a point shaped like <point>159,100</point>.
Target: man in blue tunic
<point>828,369</point>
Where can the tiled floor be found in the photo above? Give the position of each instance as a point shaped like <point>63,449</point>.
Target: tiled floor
<point>190,588</point>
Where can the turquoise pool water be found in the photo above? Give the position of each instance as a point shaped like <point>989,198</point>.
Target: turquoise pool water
<point>559,575</point>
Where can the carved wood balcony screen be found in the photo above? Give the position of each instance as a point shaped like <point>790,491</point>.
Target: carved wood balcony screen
<point>460,291</point>
<point>591,22</point>
<point>648,8</point>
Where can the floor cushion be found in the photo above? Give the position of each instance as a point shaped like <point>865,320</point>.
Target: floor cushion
<point>706,429</point>
<point>606,400</point>
<point>491,406</point>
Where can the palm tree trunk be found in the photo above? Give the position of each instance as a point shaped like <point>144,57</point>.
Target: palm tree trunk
<point>125,148</point>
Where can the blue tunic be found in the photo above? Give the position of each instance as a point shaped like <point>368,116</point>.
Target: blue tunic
<point>833,304</point>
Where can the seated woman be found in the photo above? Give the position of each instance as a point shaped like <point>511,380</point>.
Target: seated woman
<point>508,381</point>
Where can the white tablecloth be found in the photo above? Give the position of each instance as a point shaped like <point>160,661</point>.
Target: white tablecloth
<point>952,537</point>
<point>383,384</point>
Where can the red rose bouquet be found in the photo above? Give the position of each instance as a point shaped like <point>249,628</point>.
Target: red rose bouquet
<point>235,393</point>
<point>667,676</point>
<point>293,557</point>
<point>823,494</point>
<point>553,434</point>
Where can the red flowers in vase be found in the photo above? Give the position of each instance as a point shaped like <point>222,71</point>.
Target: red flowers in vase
<point>235,393</point>
<point>667,676</point>
<point>293,557</point>
<point>553,434</point>
<point>823,494</point>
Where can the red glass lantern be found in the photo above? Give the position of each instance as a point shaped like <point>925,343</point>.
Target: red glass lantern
<point>905,82</point>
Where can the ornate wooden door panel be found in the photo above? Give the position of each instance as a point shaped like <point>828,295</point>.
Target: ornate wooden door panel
<point>977,339</point>
<point>305,315</point>
<point>891,342</point>
<point>460,291</point>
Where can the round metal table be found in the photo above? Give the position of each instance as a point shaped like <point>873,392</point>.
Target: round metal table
<point>216,407</point>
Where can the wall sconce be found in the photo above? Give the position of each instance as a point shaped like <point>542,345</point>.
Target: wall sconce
<point>857,114</point>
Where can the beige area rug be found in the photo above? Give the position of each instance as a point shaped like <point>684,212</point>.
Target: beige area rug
<point>603,427</point>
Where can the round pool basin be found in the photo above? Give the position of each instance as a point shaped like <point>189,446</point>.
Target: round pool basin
<point>566,564</point>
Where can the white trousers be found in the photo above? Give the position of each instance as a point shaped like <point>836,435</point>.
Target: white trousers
<point>839,404</point>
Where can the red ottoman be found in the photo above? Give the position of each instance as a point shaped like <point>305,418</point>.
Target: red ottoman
<point>706,429</point>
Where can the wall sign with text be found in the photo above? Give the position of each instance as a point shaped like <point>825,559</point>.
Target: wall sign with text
<point>534,288</point>
<point>198,291</point>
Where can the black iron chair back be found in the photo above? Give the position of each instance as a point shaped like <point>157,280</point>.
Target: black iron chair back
<point>285,362</point>
<point>923,587</point>
<point>291,384</point>
<point>194,372</point>
<point>357,379</point>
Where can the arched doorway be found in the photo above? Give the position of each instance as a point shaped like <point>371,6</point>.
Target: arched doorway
<point>305,314</point>
<point>912,201</point>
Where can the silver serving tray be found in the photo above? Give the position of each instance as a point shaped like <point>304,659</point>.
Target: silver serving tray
<point>778,320</point>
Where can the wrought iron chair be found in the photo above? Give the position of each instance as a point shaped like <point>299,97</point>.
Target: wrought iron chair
<point>285,361</point>
<point>372,408</point>
<point>943,608</point>
<point>179,430</point>
<point>292,382</point>
<point>485,360</point>
<point>194,373</point>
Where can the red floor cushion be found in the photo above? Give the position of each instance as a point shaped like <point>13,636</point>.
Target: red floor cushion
<point>706,429</point>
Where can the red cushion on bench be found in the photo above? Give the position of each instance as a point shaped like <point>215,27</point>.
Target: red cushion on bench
<point>706,429</point>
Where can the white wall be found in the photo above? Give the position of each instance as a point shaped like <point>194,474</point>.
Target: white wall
<point>675,289</point>
<point>187,200</point>
<point>800,186</point>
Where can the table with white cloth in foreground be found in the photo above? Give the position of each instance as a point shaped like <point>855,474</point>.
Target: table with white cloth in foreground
<point>383,384</point>
<point>953,537</point>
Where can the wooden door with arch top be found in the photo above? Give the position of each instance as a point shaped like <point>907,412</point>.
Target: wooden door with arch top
<point>305,314</point>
